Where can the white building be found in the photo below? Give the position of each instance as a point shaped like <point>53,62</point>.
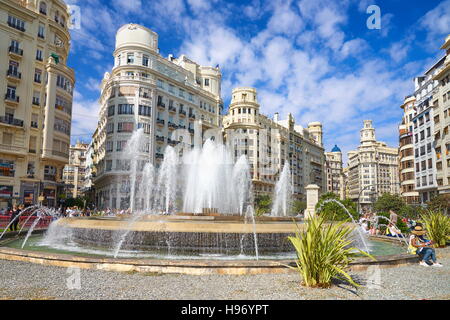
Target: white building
<point>373,168</point>
<point>159,95</point>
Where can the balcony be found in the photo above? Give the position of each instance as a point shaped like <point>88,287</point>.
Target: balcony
<point>172,109</point>
<point>11,99</point>
<point>13,76</point>
<point>182,113</point>
<point>159,155</point>
<point>172,125</point>
<point>172,142</point>
<point>192,116</point>
<point>160,139</point>
<point>160,121</point>
<point>34,124</point>
<point>11,121</point>
<point>36,101</point>
<point>60,154</point>
<point>161,105</point>
<point>191,131</point>
<point>15,52</point>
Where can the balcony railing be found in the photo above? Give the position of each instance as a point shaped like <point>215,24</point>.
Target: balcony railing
<point>50,177</point>
<point>16,50</point>
<point>172,125</point>
<point>14,74</point>
<point>11,97</point>
<point>159,155</point>
<point>60,154</point>
<point>160,138</point>
<point>161,105</point>
<point>160,121</point>
<point>36,101</point>
<point>172,109</point>
<point>34,124</point>
<point>11,121</point>
<point>191,116</point>
<point>182,112</point>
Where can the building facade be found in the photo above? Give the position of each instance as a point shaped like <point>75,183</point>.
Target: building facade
<point>36,104</point>
<point>269,144</point>
<point>74,172</point>
<point>373,168</point>
<point>334,170</point>
<point>441,120</point>
<point>406,153</point>
<point>426,91</point>
<point>158,95</point>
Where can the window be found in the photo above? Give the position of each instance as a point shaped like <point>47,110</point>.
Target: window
<point>111,110</point>
<point>13,69</point>
<point>43,7</point>
<point>125,109</point>
<point>41,31</point>
<point>39,55</point>
<point>16,23</point>
<point>11,92</point>
<point>206,82</point>
<point>62,126</point>
<point>125,127</point>
<point>145,60</point>
<point>181,93</point>
<point>121,145</point>
<point>145,126</point>
<point>37,75</point>
<point>145,110</point>
<point>32,144</point>
<point>130,58</point>
<point>171,88</point>
<point>160,84</point>
<point>110,128</point>
<point>34,120</point>
<point>64,83</point>
<point>109,144</point>
<point>36,98</point>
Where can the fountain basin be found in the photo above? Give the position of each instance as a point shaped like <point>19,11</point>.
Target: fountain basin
<point>204,234</point>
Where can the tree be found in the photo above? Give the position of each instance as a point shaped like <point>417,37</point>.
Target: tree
<point>440,203</point>
<point>263,204</point>
<point>336,210</point>
<point>298,207</point>
<point>388,202</point>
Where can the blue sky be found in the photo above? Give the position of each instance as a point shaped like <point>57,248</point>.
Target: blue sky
<point>313,58</point>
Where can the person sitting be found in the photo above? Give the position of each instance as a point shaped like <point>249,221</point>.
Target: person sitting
<point>393,231</point>
<point>421,246</point>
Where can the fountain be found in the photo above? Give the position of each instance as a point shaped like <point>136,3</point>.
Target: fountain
<point>193,205</point>
<point>283,193</point>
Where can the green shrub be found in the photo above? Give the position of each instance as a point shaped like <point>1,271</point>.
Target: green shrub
<point>438,226</point>
<point>323,252</point>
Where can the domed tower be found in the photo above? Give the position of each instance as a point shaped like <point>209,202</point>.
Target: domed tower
<point>367,133</point>
<point>315,131</point>
<point>244,108</point>
<point>133,38</point>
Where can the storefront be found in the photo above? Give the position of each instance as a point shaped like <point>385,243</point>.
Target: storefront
<point>29,193</point>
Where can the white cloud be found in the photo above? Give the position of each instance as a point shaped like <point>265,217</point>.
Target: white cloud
<point>436,23</point>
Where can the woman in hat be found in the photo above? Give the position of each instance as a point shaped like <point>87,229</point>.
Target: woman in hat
<point>422,247</point>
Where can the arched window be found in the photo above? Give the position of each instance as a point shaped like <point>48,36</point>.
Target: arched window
<point>43,7</point>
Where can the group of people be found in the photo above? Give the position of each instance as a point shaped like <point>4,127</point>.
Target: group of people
<point>418,244</point>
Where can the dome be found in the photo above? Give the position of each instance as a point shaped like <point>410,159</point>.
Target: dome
<point>136,35</point>
<point>335,149</point>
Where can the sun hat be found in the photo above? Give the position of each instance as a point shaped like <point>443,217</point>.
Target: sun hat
<point>418,230</point>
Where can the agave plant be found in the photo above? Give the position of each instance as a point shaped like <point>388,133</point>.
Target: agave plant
<point>438,226</point>
<point>323,252</point>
